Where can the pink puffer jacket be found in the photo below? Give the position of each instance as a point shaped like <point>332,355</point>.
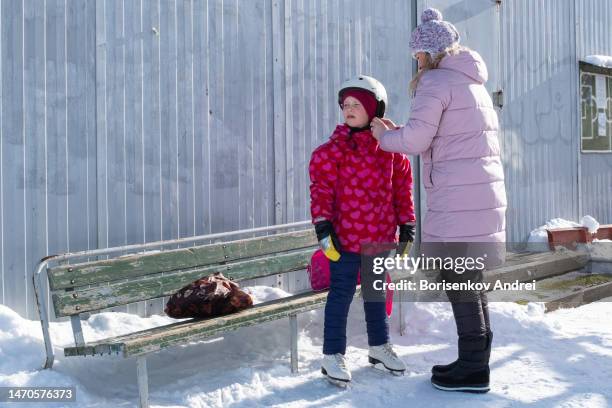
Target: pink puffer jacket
<point>453,126</point>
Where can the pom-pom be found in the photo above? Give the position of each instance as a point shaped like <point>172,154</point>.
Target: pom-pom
<point>431,14</point>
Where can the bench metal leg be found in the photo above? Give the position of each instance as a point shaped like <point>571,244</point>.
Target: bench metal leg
<point>77,330</point>
<point>293,327</point>
<point>42,312</point>
<point>402,323</point>
<point>143,382</point>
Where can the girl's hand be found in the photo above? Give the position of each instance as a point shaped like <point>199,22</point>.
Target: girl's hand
<point>378,128</point>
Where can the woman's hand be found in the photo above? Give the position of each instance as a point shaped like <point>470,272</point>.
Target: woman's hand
<point>390,124</point>
<point>379,127</point>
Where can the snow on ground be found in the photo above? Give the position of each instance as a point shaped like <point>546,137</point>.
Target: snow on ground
<point>560,359</point>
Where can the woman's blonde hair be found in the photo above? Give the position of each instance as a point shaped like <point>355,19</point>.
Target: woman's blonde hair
<point>433,62</point>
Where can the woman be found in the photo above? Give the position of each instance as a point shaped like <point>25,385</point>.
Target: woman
<point>453,126</point>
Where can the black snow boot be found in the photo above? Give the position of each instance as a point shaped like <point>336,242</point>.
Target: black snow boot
<point>444,368</point>
<point>470,373</point>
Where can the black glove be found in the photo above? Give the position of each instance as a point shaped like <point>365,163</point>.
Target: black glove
<point>406,235</point>
<point>328,240</point>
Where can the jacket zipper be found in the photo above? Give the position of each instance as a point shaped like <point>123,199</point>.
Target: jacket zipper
<point>431,167</point>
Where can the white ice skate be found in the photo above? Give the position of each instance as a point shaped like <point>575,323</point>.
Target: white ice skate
<point>385,356</point>
<point>334,367</point>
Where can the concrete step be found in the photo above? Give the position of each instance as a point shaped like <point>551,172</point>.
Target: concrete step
<point>568,290</point>
<point>522,267</point>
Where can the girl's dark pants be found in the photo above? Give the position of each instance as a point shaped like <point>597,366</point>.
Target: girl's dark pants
<point>341,292</point>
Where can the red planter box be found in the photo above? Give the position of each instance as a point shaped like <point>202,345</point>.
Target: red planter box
<point>604,232</point>
<point>569,237</point>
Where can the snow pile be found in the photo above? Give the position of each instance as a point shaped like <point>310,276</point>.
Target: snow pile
<point>591,223</point>
<point>562,358</point>
<point>599,60</point>
<point>539,235</point>
<point>261,294</point>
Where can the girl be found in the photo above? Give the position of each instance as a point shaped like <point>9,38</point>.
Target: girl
<point>359,196</point>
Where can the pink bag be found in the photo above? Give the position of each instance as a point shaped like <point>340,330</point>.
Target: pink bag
<point>319,274</point>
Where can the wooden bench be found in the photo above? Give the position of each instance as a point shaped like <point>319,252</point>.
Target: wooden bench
<point>81,288</point>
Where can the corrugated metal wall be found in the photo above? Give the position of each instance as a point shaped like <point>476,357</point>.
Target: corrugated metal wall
<point>47,138</point>
<point>184,105</point>
<point>594,22</point>
<point>131,121</point>
<point>540,116</point>
<point>530,49</point>
<point>327,42</point>
<point>323,43</point>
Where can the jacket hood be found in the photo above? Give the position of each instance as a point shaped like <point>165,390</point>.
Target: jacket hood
<point>467,62</point>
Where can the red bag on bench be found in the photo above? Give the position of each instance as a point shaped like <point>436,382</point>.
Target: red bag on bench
<point>210,296</point>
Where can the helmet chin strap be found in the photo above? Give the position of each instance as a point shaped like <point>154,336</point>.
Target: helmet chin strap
<point>358,129</point>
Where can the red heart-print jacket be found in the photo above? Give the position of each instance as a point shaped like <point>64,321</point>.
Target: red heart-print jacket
<point>364,191</point>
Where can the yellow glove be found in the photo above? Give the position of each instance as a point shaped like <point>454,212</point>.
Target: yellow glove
<point>328,241</point>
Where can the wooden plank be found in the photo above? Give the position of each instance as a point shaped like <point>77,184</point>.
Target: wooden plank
<point>539,266</point>
<point>157,338</point>
<point>581,297</point>
<point>132,266</point>
<point>100,297</point>
<point>527,267</point>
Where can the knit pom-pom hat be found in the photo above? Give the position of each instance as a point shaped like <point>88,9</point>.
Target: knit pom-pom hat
<point>434,34</point>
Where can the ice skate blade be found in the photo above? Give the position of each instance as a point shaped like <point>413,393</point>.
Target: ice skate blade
<point>335,381</point>
<point>379,365</point>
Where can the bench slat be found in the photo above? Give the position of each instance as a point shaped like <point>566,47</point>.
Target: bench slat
<point>157,338</point>
<point>96,272</point>
<point>67,303</point>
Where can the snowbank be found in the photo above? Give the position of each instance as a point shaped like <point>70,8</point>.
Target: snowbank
<point>539,235</point>
<point>599,60</point>
<point>559,359</point>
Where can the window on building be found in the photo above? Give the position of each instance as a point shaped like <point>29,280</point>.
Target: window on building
<point>596,106</point>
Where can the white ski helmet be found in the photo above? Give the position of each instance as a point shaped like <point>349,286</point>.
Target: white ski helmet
<point>369,84</point>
